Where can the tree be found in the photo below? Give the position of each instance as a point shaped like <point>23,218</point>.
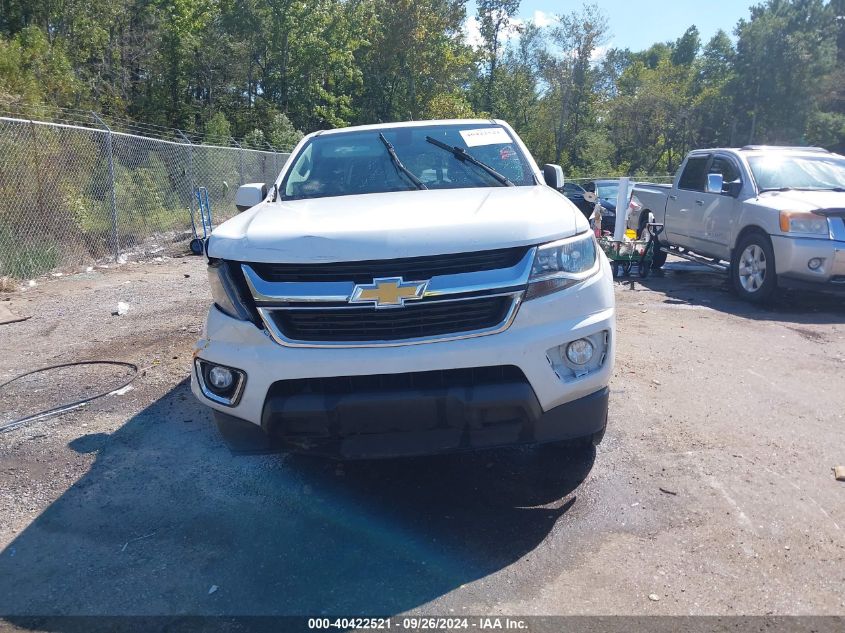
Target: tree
<point>650,121</point>
<point>32,71</point>
<point>571,76</point>
<point>255,139</point>
<point>827,126</point>
<point>283,135</point>
<point>516,94</point>
<point>269,68</point>
<point>494,20</point>
<point>416,56</point>
<point>783,51</point>
<point>218,129</point>
<point>686,47</point>
<point>715,120</point>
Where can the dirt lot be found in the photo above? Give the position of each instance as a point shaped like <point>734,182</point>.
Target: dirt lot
<point>713,488</point>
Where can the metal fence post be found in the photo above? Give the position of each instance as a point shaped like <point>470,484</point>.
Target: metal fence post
<point>191,186</point>
<point>39,175</point>
<point>240,161</point>
<point>115,242</point>
<point>275,154</point>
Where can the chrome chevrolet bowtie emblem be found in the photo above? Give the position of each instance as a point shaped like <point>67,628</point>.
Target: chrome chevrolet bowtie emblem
<point>390,292</point>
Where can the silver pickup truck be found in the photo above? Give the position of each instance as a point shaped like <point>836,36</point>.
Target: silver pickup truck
<point>769,216</point>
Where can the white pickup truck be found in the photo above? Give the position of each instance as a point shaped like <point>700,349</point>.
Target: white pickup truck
<point>770,216</point>
<point>409,288</point>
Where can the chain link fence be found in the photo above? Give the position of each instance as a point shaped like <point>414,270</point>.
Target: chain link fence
<point>77,189</point>
<point>73,194</point>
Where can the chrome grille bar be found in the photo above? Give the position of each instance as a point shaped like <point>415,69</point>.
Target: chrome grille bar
<point>515,277</point>
<point>272,298</point>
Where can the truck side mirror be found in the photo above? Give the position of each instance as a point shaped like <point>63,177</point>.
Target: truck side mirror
<point>249,195</point>
<point>553,175</point>
<point>714,183</point>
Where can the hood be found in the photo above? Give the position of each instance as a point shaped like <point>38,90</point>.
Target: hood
<point>801,200</point>
<point>396,224</point>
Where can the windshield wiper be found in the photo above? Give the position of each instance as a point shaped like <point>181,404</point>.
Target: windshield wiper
<point>767,189</point>
<point>462,155</point>
<point>836,189</point>
<point>417,182</point>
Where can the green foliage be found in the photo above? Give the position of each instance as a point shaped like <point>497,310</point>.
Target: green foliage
<point>266,69</point>
<point>25,262</point>
<point>453,105</point>
<point>144,202</point>
<point>686,48</point>
<point>827,129</point>
<point>416,56</point>
<point>32,71</point>
<point>783,52</point>
<point>283,135</point>
<point>218,130</point>
<point>255,139</point>
<point>571,77</point>
<point>495,19</point>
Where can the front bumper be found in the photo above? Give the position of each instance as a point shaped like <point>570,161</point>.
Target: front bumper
<point>792,255</point>
<point>377,424</point>
<point>540,326</point>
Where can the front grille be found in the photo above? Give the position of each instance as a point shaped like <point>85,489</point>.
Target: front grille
<point>423,380</point>
<point>415,320</point>
<point>409,268</point>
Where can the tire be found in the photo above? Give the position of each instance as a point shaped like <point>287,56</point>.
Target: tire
<point>614,269</point>
<point>753,268</point>
<point>644,268</point>
<point>196,246</point>
<point>658,258</point>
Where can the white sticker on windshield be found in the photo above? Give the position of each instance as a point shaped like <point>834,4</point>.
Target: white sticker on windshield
<point>485,136</point>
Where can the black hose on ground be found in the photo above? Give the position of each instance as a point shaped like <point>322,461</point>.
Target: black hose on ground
<point>64,408</point>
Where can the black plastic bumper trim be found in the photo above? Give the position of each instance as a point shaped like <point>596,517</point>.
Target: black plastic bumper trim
<point>373,424</point>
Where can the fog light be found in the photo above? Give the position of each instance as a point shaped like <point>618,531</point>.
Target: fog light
<point>580,352</point>
<point>219,383</point>
<point>220,378</point>
<point>815,263</point>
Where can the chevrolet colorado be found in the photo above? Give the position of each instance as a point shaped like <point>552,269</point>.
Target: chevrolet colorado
<point>409,288</point>
<point>769,216</point>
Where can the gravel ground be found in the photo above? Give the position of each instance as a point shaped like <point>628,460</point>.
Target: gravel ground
<point>712,491</point>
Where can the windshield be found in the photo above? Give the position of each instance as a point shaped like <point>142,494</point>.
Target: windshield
<point>607,191</point>
<point>358,162</point>
<point>777,171</point>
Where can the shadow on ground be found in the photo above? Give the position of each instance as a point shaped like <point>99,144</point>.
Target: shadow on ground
<point>168,522</point>
<point>690,284</point>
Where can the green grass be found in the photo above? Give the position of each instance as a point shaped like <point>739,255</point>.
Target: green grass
<point>27,261</point>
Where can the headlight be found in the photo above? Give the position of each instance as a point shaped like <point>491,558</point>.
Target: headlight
<point>803,222</point>
<point>224,291</point>
<point>561,264</point>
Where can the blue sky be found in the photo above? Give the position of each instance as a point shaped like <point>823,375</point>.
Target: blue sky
<point>636,24</point>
